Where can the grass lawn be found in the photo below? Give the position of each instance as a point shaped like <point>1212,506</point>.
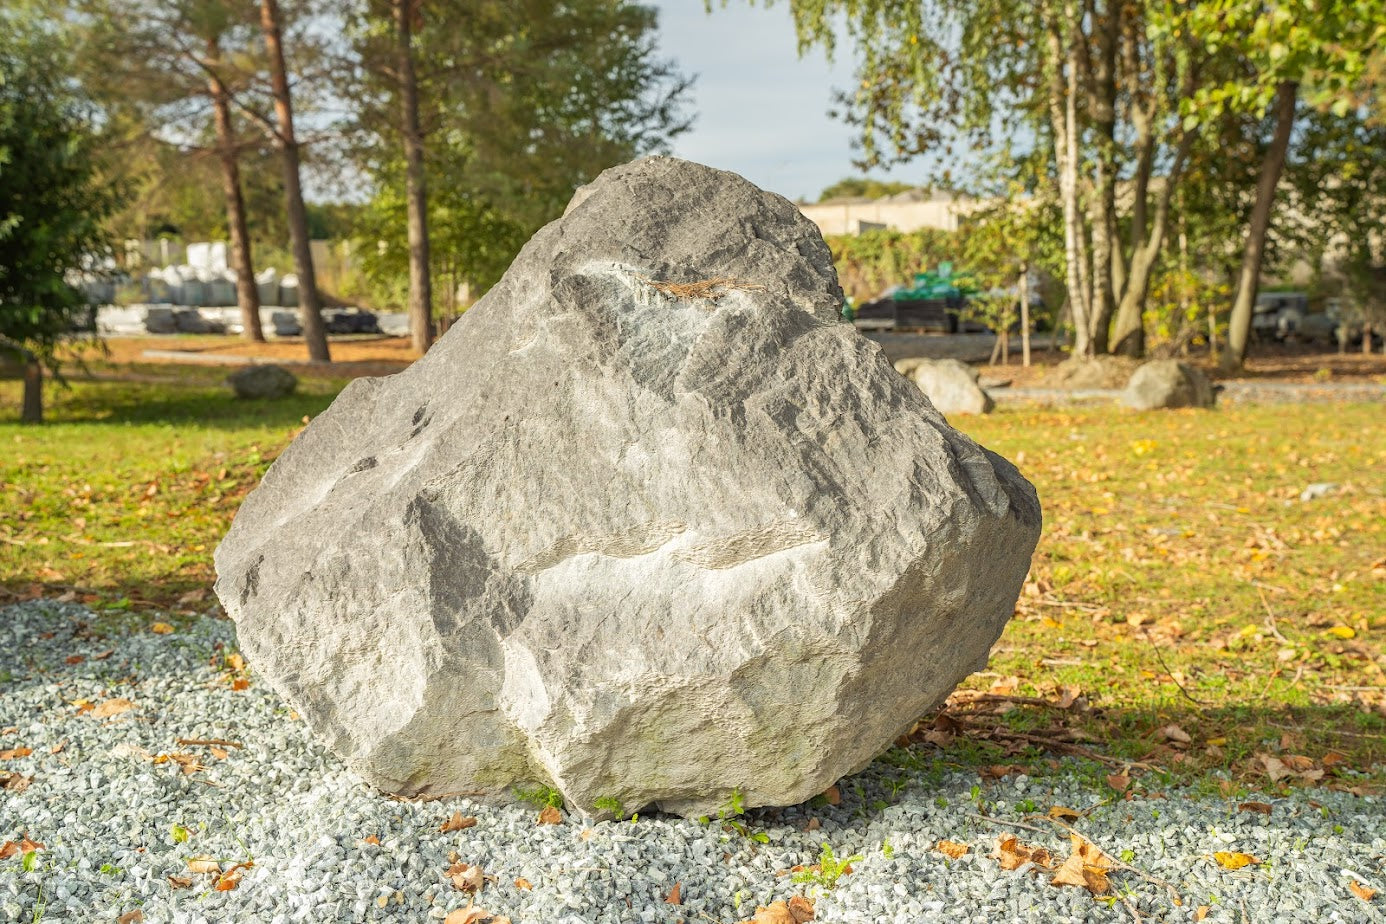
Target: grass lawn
<point>1188,618</point>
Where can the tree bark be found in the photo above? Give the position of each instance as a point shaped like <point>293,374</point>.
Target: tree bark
<point>1025,315</point>
<point>421,329</point>
<point>1063,117</point>
<point>310,308</point>
<point>31,412</point>
<point>1239,325</point>
<point>247,296</point>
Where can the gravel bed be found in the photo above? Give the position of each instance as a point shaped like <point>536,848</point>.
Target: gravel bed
<point>111,818</point>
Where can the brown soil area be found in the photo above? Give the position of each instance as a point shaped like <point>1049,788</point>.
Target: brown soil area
<point>351,357</point>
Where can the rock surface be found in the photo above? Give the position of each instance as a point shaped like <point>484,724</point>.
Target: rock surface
<point>951,386</point>
<point>630,533</point>
<point>1102,371</point>
<point>1168,383</point>
<point>262,381</point>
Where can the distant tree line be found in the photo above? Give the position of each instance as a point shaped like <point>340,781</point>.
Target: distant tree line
<point>452,129</point>
<point>1192,138</point>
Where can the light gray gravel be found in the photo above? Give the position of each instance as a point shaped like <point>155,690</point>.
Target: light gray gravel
<point>106,813</point>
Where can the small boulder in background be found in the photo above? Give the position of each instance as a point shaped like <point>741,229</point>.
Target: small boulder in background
<point>1168,383</point>
<point>267,381</point>
<point>950,385</point>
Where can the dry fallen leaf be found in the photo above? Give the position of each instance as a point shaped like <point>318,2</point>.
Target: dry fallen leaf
<point>951,849</point>
<point>457,822</point>
<point>1012,854</point>
<point>674,898</point>
<point>180,882</point>
<point>550,816</point>
<point>1201,912</point>
<point>472,915</point>
<point>131,917</point>
<point>1262,807</point>
<point>15,782</point>
<point>1119,781</point>
<point>232,877</point>
<point>1230,859</point>
<point>467,878</point>
<point>833,795</point>
<point>15,753</point>
<point>801,909</point>
<point>523,884</point>
<point>774,913</point>
<point>1274,766</point>
<point>240,684</point>
<point>1175,734</point>
<point>203,865</point>
<point>1086,868</point>
<point>1063,813</point>
<point>74,659</point>
<point>161,628</point>
<point>370,839</point>
<point>111,707</point>
<point>1361,891</point>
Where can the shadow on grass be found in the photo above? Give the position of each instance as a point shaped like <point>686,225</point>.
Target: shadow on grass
<point>202,405</point>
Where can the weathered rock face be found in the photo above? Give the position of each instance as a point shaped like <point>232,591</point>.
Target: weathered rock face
<point>262,381</point>
<point>951,386</point>
<point>637,543</point>
<point>1088,372</point>
<point>1168,383</point>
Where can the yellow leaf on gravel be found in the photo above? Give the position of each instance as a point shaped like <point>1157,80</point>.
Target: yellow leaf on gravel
<point>951,849</point>
<point>203,865</point>
<point>161,628</point>
<point>1229,859</point>
<point>1085,868</point>
<point>1361,891</point>
<point>472,915</point>
<point>112,707</point>
<point>1063,814</point>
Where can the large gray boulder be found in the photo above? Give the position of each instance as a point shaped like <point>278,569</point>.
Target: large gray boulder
<point>950,385</point>
<point>262,381</point>
<point>647,524</point>
<point>1168,383</point>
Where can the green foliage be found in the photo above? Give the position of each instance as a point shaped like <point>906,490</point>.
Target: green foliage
<point>540,796</point>
<point>854,187</point>
<point>51,203</point>
<point>828,870</point>
<point>869,262</point>
<point>611,804</point>
<point>521,103</point>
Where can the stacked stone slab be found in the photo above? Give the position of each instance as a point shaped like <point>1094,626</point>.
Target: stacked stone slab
<point>649,524</point>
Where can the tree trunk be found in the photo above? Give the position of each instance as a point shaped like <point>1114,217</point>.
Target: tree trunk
<point>31,411</point>
<point>1239,325</point>
<point>421,330</point>
<point>247,296</point>
<point>309,307</point>
<point>1025,316</point>
<point>1062,116</point>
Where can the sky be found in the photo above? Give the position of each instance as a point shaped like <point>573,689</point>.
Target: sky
<point>761,110</point>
